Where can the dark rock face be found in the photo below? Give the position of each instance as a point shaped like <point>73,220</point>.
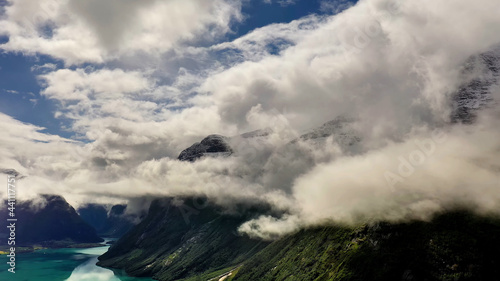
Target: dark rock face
<point>257,133</point>
<point>48,222</point>
<point>339,128</point>
<point>212,145</point>
<point>475,94</point>
<point>107,224</point>
<point>12,172</point>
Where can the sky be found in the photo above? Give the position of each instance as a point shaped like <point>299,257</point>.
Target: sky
<point>19,70</point>
<point>98,98</point>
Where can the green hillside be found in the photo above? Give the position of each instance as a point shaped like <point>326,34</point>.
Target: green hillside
<point>175,242</point>
<point>453,246</point>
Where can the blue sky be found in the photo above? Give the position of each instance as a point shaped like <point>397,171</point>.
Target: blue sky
<point>261,13</point>
<point>20,88</point>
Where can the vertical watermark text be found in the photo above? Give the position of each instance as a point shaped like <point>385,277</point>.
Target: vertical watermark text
<point>11,222</point>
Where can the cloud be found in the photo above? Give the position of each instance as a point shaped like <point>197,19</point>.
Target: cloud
<point>395,182</point>
<point>269,228</point>
<point>12,92</point>
<point>104,84</point>
<point>31,153</point>
<point>389,67</point>
<point>283,3</point>
<point>44,68</point>
<point>97,31</point>
<point>270,39</point>
<point>357,59</point>
<point>461,169</point>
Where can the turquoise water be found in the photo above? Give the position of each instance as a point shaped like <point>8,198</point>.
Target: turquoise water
<point>60,265</point>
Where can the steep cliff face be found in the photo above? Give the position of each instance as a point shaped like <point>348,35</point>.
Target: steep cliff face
<point>182,238</point>
<point>49,221</point>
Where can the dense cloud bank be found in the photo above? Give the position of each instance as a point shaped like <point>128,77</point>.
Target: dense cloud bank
<point>389,69</point>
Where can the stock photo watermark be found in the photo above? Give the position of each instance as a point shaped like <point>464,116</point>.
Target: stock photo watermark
<point>46,12</point>
<point>11,222</point>
<point>187,211</point>
<point>354,41</point>
<point>408,164</point>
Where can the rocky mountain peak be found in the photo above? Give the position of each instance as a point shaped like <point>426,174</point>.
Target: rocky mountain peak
<point>475,94</point>
<point>213,145</point>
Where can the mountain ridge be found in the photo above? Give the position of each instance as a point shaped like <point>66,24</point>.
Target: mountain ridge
<point>455,244</point>
<point>49,221</point>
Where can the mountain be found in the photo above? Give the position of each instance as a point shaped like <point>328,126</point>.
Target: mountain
<point>455,245</point>
<point>95,215</point>
<point>184,238</point>
<point>257,133</point>
<point>181,240</point>
<point>12,172</point>
<point>340,129</point>
<point>48,221</point>
<point>213,145</point>
<point>178,240</point>
<point>113,223</point>
<point>475,94</point>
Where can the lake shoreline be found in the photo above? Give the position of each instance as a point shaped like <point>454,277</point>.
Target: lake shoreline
<point>73,263</point>
<point>5,250</point>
